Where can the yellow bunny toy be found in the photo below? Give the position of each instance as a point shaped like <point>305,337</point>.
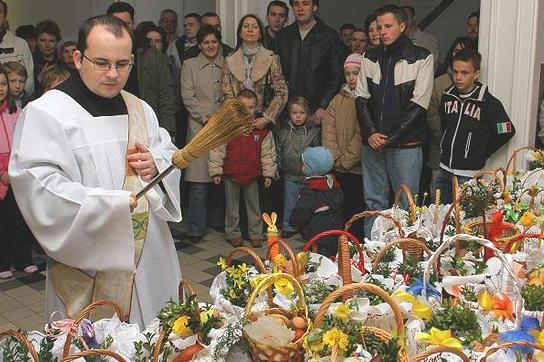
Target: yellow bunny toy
<point>272,233</point>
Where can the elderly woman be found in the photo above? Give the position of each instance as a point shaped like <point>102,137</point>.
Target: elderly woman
<point>202,95</point>
<point>252,66</point>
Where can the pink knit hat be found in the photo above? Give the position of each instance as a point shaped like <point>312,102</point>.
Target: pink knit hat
<point>353,60</point>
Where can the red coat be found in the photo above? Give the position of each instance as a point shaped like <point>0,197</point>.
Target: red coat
<point>243,157</point>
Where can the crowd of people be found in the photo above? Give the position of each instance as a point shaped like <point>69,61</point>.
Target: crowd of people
<point>341,119</point>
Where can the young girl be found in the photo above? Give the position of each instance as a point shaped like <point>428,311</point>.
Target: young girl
<point>17,76</point>
<point>240,164</point>
<point>292,139</point>
<point>14,233</point>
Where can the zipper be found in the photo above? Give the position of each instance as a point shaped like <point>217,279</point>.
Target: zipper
<point>467,147</point>
<point>385,87</point>
<point>442,142</point>
<point>456,129</point>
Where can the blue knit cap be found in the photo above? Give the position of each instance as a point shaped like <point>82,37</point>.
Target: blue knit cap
<point>318,161</point>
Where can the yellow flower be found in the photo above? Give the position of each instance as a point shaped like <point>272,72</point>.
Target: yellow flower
<point>222,263</point>
<point>440,338</point>
<point>181,328</point>
<point>279,259</point>
<point>342,311</point>
<point>539,335</point>
<point>527,218</point>
<point>239,283</point>
<point>232,293</point>
<point>243,267</point>
<point>335,337</point>
<point>536,277</point>
<point>285,287</point>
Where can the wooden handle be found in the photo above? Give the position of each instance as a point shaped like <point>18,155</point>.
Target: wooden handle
<point>93,352</point>
<point>399,242</point>
<point>84,314</point>
<point>512,160</point>
<point>440,349</point>
<point>411,204</point>
<point>366,287</point>
<point>364,214</point>
<point>267,282</point>
<point>24,340</point>
<point>259,265</point>
<point>491,351</point>
<point>296,271</point>
<point>155,181</point>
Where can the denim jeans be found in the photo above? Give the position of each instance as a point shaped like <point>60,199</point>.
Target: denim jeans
<point>291,191</point>
<point>197,213</point>
<point>386,169</point>
<point>443,182</point>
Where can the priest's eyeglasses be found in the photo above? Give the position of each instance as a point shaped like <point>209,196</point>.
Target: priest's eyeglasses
<point>104,66</point>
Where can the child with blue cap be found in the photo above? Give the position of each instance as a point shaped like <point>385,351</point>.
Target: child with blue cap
<point>319,206</point>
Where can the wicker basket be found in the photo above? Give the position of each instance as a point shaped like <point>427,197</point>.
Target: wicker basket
<point>344,257</point>
<point>93,352</point>
<point>292,351</point>
<point>405,244</point>
<point>296,272</point>
<point>374,213</point>
<point>184,286</point>
<point>440,349</point>
<point>380,333</point>
<point>411,204</point>
<point>491,351</point>
<point>84,314</point>
<point>24,340</point>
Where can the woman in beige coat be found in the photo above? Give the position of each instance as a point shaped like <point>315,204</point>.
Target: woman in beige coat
<point>252,66</point>
<point>202,95</point>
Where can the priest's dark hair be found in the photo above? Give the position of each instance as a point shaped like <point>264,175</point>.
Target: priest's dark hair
<point>112,24</point>
<point>12,107</point>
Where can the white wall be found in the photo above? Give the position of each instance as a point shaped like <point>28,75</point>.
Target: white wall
<point>69,14</point>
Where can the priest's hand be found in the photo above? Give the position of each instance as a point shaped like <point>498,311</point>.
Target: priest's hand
<point>132,202</point>
<point>143,163</point>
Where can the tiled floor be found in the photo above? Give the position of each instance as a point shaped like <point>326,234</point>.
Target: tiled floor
<point>22,299</point>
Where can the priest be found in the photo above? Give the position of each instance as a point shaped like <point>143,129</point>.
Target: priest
<point>80,154</point>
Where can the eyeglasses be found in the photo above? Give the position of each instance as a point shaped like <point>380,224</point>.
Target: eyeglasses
<point>104,65</point>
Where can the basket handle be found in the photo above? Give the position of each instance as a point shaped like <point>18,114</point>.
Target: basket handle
<point>364,214</point>
<point>84,314</point>
<point>267,282</point>
<point>259,265</point>
<point>411,203</point>
<point>488,244</point>
<point>21,337</point>
<point>312,242</point>
<point>400,242</point>
<point>512,160</point>
<point>297,272</point>
<point>93,352</point>
<point>440,349</point>
<point>366,287</point>
<point>491,351</point>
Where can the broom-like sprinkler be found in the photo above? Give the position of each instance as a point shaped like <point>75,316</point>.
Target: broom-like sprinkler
<point>228,123</point>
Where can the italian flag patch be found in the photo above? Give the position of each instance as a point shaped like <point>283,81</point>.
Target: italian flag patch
<point>505,127</point>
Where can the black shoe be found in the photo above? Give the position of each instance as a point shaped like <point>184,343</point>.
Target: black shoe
<point>287,234</point>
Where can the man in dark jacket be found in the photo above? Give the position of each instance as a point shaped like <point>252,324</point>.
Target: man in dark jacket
<point>392,95</point>
<point>277,14</point>
<point>475,124</point>
<point>311,57</point>
<point>150,77</point>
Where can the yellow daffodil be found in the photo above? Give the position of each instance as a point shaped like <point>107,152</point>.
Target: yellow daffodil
<point>342,311</point>
<point>232,293</point>
<point>181,328</point>
<point>206,314</point>
<point>239,283</point>
<point>335,337</point>
<point>222,263</point>
<point>440,338</point>
<point>527,218</point>
<point>243,267</point>
<point>284,286</point>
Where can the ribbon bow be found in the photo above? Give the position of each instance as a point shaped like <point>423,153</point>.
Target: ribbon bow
<point>61,327</point>
<point>416,288</point>
<point>499,304</point>
<point>419,309</point>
